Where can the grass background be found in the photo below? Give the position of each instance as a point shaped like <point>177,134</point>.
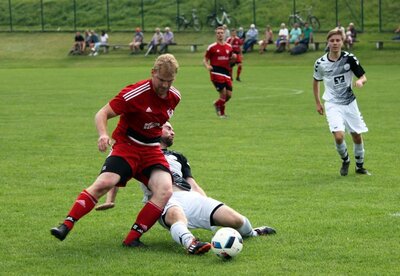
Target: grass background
<point>273,160</point>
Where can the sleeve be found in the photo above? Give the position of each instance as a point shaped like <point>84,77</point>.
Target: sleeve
<point>186,170</point>
<point>118,103</point>
<point>207,55</point>
<point>356,67</point>
<point>317,71</point>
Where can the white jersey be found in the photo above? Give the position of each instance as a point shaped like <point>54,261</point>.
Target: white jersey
<point>338,77</point>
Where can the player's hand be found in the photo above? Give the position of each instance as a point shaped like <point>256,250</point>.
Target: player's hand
<point>320,109</point>
<point>103,142</point>
<point>105,206</point>
<point>359,83</point>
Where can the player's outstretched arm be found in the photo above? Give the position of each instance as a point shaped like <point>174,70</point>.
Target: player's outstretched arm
<point>110,200</point>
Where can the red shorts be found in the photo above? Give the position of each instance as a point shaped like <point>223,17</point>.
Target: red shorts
<point>239,58</point>
<point>139,158</point>
<point>220,81</point>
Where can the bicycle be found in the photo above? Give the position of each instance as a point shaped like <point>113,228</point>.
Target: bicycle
<point>184,23</point>
<point>311,19</point>
<point>214,21</point>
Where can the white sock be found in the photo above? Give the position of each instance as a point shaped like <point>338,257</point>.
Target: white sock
<point>181,234</point>
<point>359,154</point>
<point>246,230</point>
<point>342,150</point>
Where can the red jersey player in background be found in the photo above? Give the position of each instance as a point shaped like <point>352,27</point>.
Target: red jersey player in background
<point>217,60</point>
<point>143,108</point>
<point>236,44</point>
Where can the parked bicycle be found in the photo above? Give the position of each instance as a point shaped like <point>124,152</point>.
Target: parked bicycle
<point>214,21</point>
<point>311,19</point>
<point>184,23</point>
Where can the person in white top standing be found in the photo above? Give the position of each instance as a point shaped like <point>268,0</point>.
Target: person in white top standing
<point>336,69</point>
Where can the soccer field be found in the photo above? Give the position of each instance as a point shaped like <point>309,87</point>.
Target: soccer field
<point>273,160</point>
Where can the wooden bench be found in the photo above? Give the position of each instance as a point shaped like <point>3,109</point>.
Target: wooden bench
<point>379,43</point>
<point>317,43</point>
<point>325,43</point>
<point>119,46</point>
<point>193,46</point>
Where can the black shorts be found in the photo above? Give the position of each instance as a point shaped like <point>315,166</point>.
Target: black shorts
<point>118,165</point>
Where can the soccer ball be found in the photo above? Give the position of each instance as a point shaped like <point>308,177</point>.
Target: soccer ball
<point>227,243</point>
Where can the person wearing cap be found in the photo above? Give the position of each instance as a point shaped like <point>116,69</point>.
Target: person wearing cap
<point>251,38</point>
<point>137,41</point>
<point>168,38</point>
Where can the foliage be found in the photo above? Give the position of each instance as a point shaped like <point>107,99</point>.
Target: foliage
<point>125,15</point>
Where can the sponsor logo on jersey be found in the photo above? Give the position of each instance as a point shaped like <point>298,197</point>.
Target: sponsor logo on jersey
<point>151,125</point>
<point>339,80</point>
<point>170,112</point>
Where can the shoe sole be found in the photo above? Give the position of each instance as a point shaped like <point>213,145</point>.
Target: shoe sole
<point>134,244</point>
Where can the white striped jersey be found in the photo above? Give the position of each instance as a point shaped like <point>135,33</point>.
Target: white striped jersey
<point>338,76</point>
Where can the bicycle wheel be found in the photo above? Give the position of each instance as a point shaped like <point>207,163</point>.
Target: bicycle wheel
<point>180,22</point>
<point>197,25</point>
<point>314,22</point>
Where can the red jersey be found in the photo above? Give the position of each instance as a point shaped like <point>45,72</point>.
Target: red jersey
<point>236,44</point>
<point>219,56</point>
<point>142,112</point>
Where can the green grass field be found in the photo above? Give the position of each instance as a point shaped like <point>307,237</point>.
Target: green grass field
<point>273,160</point>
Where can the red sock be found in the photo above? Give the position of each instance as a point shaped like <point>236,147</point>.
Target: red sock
<point>146,218</point>
<point>223,109</point>
<point>83,205</point>
<point>239,70</point>
<point>220,102</point>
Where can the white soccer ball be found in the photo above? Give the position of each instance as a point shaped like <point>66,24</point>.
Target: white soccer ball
<point>227,243</point>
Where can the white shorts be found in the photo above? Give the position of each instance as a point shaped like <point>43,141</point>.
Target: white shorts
<point>197,208</point>
<point>345,117</point>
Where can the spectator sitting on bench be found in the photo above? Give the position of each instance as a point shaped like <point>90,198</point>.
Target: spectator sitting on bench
<point>137,42</point>
<point>103,43</point>
<point>351,36</point>
<point>241,34</point>
<point>79,45</point>
<point>307,34</point>
<point>397,32</point>
<point>283,39</point>
<point>295,34</point>
<point>168,38</point>
<point>94,43</point>
<point>268,39</point>
<point>155,40</point>
<point>251,38</point>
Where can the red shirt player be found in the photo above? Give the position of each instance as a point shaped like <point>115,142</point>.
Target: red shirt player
<point>143,108</point>
<point>217,60</point>
<point>236,44</point>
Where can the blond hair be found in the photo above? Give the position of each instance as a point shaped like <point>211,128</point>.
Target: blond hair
<point>166,62</point>
<point>336,31</point>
